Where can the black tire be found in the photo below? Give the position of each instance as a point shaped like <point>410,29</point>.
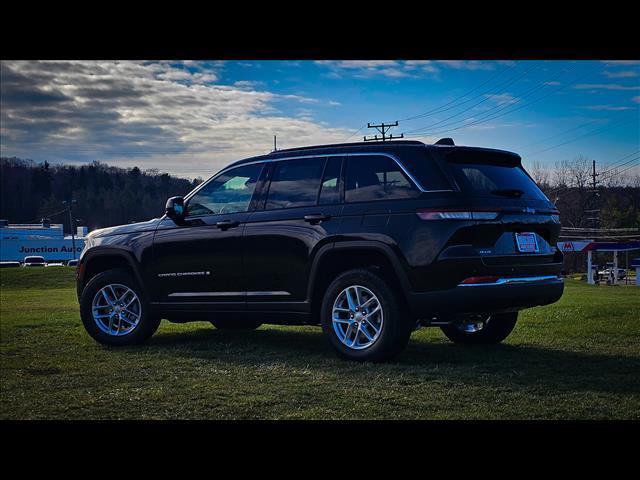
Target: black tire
<point>495,331</point>
<point>147,324</point>
<point>237,324</point>
<point>396,327</point>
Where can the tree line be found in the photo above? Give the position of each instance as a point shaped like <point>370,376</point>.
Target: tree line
<point>104,195</point>
<point>569,184</point>
<point>108,195</point>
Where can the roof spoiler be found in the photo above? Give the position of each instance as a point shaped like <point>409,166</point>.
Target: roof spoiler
<point>445,141</point>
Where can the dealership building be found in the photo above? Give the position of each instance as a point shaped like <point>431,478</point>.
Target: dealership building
<point>42,239</point>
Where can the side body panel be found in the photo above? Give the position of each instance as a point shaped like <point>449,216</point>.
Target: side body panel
<point>199,262</point>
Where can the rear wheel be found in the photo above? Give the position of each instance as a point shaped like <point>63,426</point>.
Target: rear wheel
<point>114,310</point>
<point>481,329</point>
<point>363,319</point>
<point>229,324</point>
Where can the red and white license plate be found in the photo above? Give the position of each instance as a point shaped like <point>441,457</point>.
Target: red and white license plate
<point>526,242</point>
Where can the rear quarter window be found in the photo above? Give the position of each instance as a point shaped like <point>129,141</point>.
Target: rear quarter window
<point>424,168</point>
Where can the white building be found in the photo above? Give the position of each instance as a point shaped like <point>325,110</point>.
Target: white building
<point>42,239</point>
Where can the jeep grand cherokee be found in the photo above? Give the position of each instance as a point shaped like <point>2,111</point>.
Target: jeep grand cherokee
<point>368,240</point>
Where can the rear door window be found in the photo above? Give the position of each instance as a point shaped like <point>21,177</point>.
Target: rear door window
<point>376,177</point>
<point>295,183</point>
<point>330,189</point>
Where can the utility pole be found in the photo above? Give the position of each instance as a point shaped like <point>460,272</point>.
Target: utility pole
<point>383,128</point>
<point>69,205</point>
<point>594,210</point>
<point>275,146</point>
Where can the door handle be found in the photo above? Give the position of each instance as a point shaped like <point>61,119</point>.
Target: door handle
<point>317,218</point>
<point>226,224</point>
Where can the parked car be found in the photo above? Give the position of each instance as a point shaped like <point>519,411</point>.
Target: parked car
<point>34,261</point>
<point>72,263</point>
<point>367,240</point>
<point>10,264</point>
<point>608,271</point>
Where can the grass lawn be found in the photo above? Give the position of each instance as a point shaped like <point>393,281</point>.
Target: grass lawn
<point>577,359</point>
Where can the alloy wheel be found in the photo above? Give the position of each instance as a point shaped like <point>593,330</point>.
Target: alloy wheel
<point>357,317</point>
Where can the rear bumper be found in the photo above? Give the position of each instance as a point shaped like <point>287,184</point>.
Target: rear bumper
<point>507,294</point>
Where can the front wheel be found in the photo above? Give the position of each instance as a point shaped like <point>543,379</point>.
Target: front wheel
<point>363,318</point>
<point>114,310</point>
<point>481,329</point>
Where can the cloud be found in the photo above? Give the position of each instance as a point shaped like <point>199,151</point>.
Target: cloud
<point>467,64</point>
<point>399,68</point>
<point>611,108</point>
<point>606,86</point>
<point>248,83</point>
<point>503,98</point>
<point>380,68</point>
<point>622,74</point>
<point>424,65</point>
<point>622,62</point>
<point>636,99</point>
<point>167,115</point>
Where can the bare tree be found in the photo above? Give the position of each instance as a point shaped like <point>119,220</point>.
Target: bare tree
<point>540,174</point>
<point>561,173</point>
<point>580,172</point>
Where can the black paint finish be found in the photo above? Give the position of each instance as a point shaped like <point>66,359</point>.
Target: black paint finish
<point>268,259</point>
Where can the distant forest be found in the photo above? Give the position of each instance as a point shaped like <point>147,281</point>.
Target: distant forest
<point>107,195</point>
<point>104,195</point>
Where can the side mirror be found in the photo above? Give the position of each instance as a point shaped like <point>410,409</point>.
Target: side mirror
<point>175,209</point>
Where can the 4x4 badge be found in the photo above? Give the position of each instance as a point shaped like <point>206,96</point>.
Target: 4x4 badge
<point>529,210</point>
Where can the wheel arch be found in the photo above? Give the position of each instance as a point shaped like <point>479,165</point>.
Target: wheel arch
<point>103,259</point>
<point>333,259</point>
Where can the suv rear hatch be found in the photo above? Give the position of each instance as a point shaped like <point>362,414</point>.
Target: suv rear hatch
<point>513,223</point>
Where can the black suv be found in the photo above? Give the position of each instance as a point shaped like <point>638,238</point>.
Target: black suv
<point>369,240</point>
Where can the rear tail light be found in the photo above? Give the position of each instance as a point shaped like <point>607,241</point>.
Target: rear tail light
<point>456,215</point>
<point>483,279</point>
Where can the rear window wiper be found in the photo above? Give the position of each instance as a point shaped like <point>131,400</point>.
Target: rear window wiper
<point>508,192</point>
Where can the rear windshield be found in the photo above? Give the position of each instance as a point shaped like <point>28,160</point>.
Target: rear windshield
<point>495,180</point>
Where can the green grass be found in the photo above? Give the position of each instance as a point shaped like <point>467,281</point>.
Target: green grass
<point>577,359</point>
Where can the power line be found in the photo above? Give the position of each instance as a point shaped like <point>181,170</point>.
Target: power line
<point>438,109</point>
<point>596,237</point>
<point>562,133</point>
<point>497,108</point>
<point>354,133</point>
<point>486,97</point>
<point>600,230</point>
<point>582,136</point>
<point>614,167</point>
<point>556,190</point>
<point>45,215</point>
<point>613,174</point>
<point>480,121</point>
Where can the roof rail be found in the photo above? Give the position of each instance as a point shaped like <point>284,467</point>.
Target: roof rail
<point>353,144</point>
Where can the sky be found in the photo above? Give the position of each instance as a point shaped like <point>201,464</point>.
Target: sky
<point>191,118</point>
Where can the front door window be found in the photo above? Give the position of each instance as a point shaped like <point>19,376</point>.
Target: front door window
<point>230,192</point>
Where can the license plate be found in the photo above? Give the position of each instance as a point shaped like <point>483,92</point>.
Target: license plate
<point>526,242</point>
